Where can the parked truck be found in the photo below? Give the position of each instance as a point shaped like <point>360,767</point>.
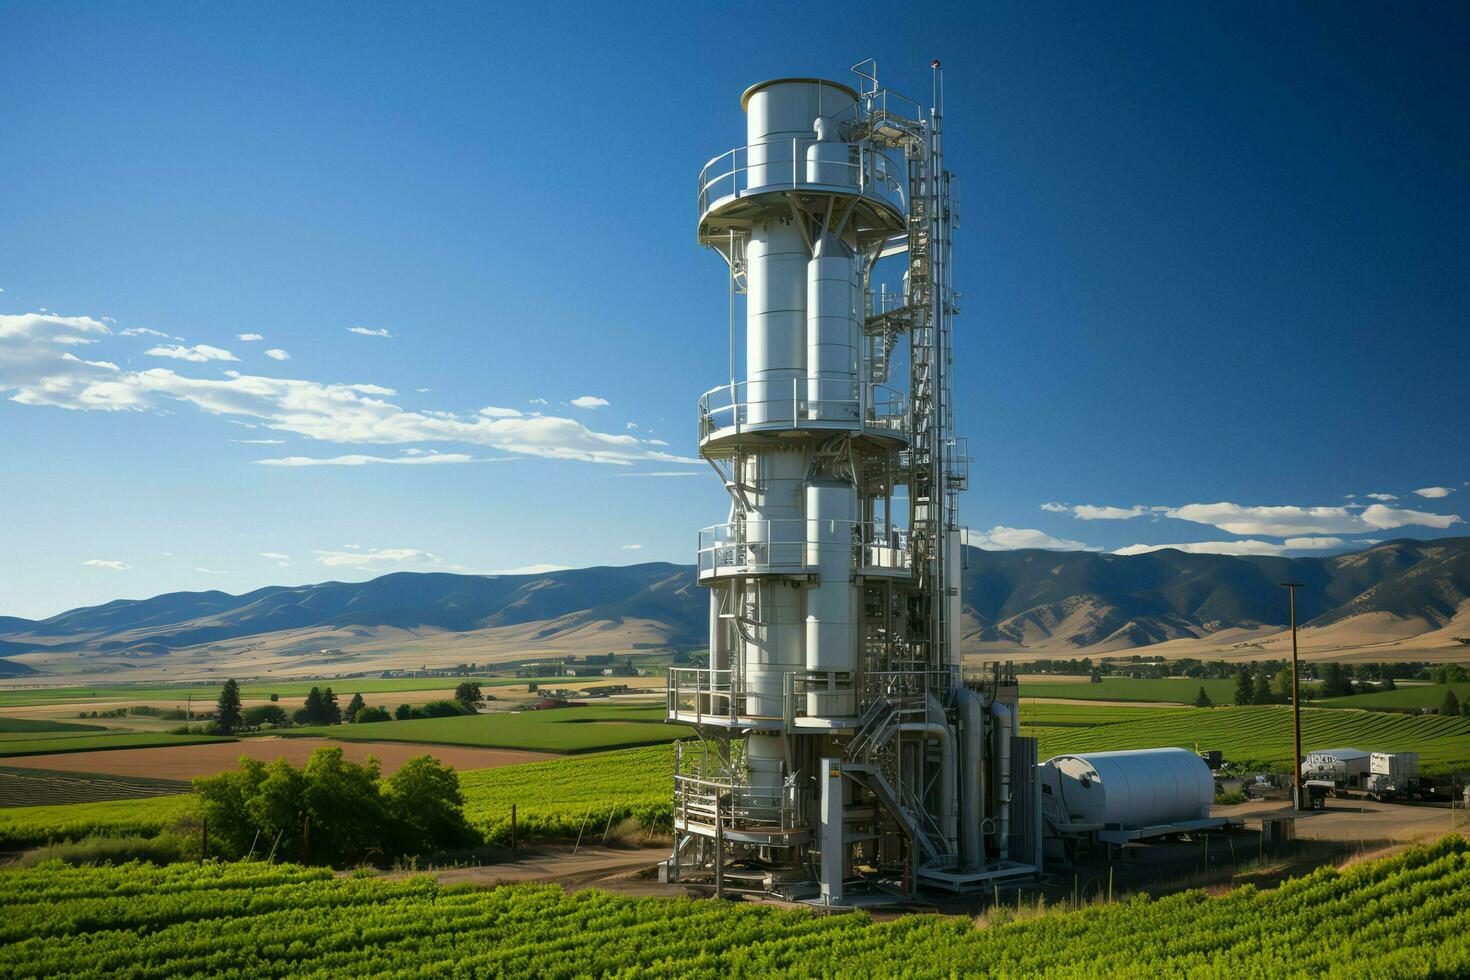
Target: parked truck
<point>1393,775</point>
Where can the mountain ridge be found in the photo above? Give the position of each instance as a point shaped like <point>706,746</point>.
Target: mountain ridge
<point>1048,603</point>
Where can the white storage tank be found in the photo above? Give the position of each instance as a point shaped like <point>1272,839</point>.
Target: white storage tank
<point>1135,788</point>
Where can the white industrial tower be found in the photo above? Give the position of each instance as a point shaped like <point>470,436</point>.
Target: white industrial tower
<point>840,746</point>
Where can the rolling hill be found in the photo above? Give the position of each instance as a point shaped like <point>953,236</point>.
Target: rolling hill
<point>1392,600</point>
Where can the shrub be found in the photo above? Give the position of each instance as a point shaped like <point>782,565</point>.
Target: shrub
<point>403,712</point>
<point>264,715</point>
<point>372,714</point>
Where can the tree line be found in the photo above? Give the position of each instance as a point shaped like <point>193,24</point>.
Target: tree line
<point>321,707</point>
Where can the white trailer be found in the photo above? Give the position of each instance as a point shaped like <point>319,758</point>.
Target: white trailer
<point>1393,775</point>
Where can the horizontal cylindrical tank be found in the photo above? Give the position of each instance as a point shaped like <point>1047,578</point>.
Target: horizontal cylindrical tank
<point>1136,788</point>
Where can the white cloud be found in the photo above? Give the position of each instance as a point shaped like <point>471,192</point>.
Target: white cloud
<point>590,401</point>
<point>197,353</point>
<point>1381,496</point>
<point>359,460</point>
<point>260,442</point>
<point>1246,547</point>
<point>632,547</point>
<point>368,556</point>
<point>1056,508</point>
<point>632,425</point>
<point>39,372</point>
<point>276,354</point>
<point>1434,493</point>
<point>539,401</point>
<point>1087,512</point>
<point>365,332</point>
<point>145,332</point>
<point>211,571</point>
<point>654,442</point>
<point>275,556</point>
<point>1286,521</point>
<point>1001,538</point>
<point>249,337</point>
<point>75,341</point>
<point>108,563</point>
<point>495,412</point>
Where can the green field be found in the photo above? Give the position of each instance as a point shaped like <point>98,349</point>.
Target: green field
<point>588,729</point>
<point>41,743</point>
<point>32,826</point>
<point>1180,690</point>
<point>23,726</point>
<point>1398,916</point>
<point>1415,696</point>
<point>37,787</point>
<point>1083,715</point>
<point>559,797</point>
<point>261,690</point>
<point>1260,735</point>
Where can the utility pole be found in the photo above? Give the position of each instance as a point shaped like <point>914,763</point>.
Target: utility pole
<point>1297,799</point>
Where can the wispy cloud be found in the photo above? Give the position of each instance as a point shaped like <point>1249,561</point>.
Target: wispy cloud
<point>211,571</point>
<point>1290,520</point>
<point>260,442</point>
<point>107,563</point>
<point>632,547</point>
<point>590,401</point>
<point>1434,492</point>
<point>1093,512</point>
<point>1249,546</point>
<point>276,354</point>
<point>38,371</point>
<point>146,332</point>
<point>1002,538</point>
<point>275,556</point>
<point>1381,496</point>
<point>369,332</point>
<point>249,337</point>
<point>358,460</point>
<point>365,557</point>
<point>197,353</point>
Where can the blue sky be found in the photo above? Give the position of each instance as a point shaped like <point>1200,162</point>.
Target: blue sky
<point>1213,262</point>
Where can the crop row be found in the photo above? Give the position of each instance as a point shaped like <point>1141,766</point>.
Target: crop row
<point>1402,916</point>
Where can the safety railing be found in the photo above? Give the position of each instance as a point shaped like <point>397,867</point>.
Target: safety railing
<point>727,796</point>
<point>701,693</point>
<point>790,164</point>
<point>795,546</point>
<point>788,404</point>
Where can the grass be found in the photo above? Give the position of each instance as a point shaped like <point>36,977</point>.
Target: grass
<point>1418,696</point>
<point>260,690</point>
<point>569,730</point>
<point>1179,690</point>
<point>1260,736</point>
<point>45,744</point>
<point>30,725</point>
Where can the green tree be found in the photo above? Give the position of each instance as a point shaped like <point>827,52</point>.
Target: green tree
<point>346,810</point>
<point>353,707</point>
<point>331,713</point>
<point>1202,700</point>
<point>277,808</point>
<point>222,800</point>
<point>426,807</point>
<point>1243,693</point>
<point>227,716</point>
<point>311,709</point>
<point>1335,682</point>
<point>1261,691</point>
<point>372,714</point>
<point>1281,686</point>
<point>468,694</point>
<point>1451,705</point>
<point>403,712</point>
<point>264,714</point>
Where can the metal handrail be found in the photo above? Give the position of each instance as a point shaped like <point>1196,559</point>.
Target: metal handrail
<point>788,544</point>
<point>786,166</point>
<point>786,404</point>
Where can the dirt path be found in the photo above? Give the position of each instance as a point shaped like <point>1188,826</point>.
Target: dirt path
<point>188,761</point>
<point>1355,819</point>
<point>615,868</point>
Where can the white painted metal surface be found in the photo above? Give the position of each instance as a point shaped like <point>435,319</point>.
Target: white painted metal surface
<point>1137,788</point>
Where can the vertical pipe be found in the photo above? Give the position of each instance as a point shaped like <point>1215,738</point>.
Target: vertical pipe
<point>1002,779</point>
